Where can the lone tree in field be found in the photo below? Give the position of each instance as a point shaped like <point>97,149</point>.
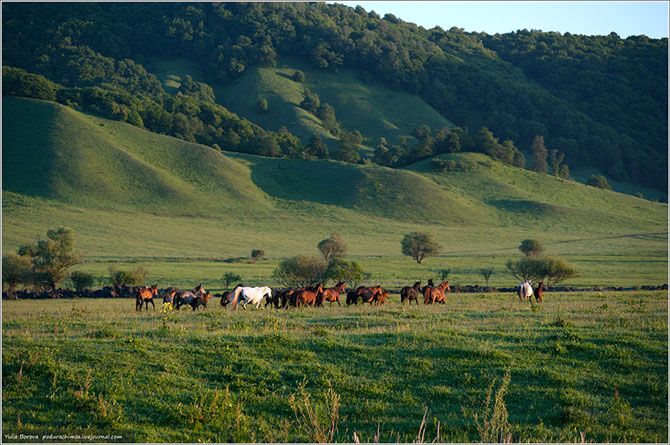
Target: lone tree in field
<point>228,278</point>
<point>531,248</point>
<point>419,245</point>
<point>257,253</point>
<point>599,181</point>
<point>51,258</point>
<point>549,270</point>
<point>486,273</point>
<point>332,248</point>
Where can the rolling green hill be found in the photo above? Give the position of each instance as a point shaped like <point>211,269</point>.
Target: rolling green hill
<point>370,107</point>
<point>130,193</point>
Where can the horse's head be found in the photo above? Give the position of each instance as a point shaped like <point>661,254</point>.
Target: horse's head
<point>417,285</point>
<point>199,290</point>
<point>340,286</point>
<point>445,285</point>
<point>154,289</point>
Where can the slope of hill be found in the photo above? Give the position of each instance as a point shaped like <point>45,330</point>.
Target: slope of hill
<point>606,107</point>
<point>125,190</point>
<point>370,107</point>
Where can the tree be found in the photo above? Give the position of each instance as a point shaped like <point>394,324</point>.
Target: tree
<point>531,247</point>
<point>257,253</point>
<point>599,181</point>
<point>298,76</point>
<point>300,271</point>
<point>228,278</point>
<point>16,269</point>
<point>486,273</point>
<point>550,270</point>
<point>51,258</point>
<point>419,245</point>
<point>262,105</point>
<point>316,148</point>
<point>347,271</point>
<point>539,155</point>
<point>81,280</point>
<point>556,159</point>
<point>332,248</point>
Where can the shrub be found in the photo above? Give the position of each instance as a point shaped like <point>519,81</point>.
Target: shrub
<point>257,253</point>
<point>134,277</point>
<point>599,181</point>
<point>531,247</point>
<point>82,280</point>
<point>300,271</point>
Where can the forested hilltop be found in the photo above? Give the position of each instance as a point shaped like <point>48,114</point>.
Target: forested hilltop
<point>580,100</point>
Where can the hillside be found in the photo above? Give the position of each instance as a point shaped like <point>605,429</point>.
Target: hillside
<point>601,101</point>
<point>130,192</point>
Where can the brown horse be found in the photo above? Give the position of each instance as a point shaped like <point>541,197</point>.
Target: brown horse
<point>381,299</point>
<point>307,296</point>
<point>410,293</point>
<point>199,290</point>
<point>145,296</point>
<point>332,294</point>
<point>436,294</point>
<point>538,292</point>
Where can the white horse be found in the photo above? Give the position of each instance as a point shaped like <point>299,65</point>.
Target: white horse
<point>524,290</point>
<point>253,295</point>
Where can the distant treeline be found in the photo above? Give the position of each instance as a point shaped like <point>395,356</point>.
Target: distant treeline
<point>600,101</point>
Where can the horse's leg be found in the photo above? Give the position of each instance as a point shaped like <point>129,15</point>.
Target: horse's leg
<point>152,303</point>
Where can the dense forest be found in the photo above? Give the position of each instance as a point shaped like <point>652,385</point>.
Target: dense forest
<point>581,100</point>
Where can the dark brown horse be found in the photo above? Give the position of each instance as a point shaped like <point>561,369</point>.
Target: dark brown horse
<point>307,296</point>
<point>145,296</point>
<point>332,294</point>
<point>436,294</point>
<point>538,292</point>
<point>410,293</point>
<point>227,297</point>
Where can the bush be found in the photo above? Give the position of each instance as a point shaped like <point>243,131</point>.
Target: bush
<point>81,280</point>
<point>531,247</point>
<point>599,181</point>
<point>257,253</point>
<point>300,271</point>
<point>134,277</point>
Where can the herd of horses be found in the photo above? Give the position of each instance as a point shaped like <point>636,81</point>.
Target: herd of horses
<point>315,295</point>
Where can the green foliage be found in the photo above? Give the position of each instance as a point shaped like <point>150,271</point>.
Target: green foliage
<point>419,245</point>
<point>17,82</point>
<point>550,270</point>
<point>531,247</point>
<point>539,155</point>
<point>82,280</point>
<point>262,105</point>
<point>486,273</point>
<point>228,278</point>
<point>599,181</point>
<point>52,257</point>
<point>300,271</point>
<point>602,99</point>
<point>134,277</point>
<point>316,148</point>
<point>16,269</point>
<point>346,271</point>
<point>257,253</point>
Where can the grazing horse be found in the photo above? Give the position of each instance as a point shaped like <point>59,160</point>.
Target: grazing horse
<point>410,293</point>
<point>332,294</point>
<point>436,294</point>
<point>538,292</point>
<point>253,295</point>
<point>524,290</point>
<point>308,296</point>
<point>145,296</point>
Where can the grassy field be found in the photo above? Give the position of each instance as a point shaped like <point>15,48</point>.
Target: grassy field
<point>582,366</point>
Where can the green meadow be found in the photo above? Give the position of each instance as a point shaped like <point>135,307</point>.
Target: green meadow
<point>580,367</point>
